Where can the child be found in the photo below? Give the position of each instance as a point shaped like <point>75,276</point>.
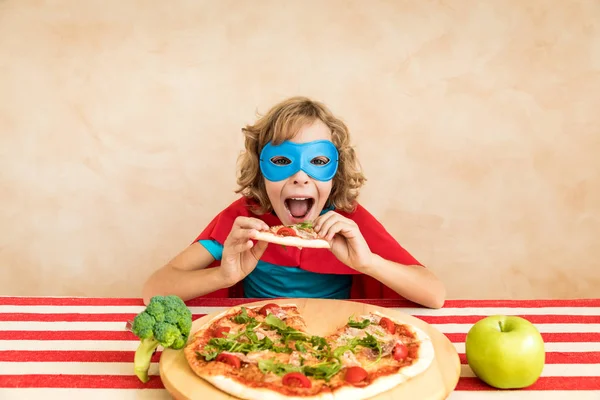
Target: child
<point>298,166</point>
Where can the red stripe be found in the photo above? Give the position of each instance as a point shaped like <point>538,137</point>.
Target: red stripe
<point>580,357</point>
<point>523,303</point>
<point>217,302</point>
<point>70,301</point>
<point>70,356</point>
<point>67,335</point>
<point>562,337</point>
<point>544,383</point>
<point>536,319</point>
<point>67,317</point>
<point>587,337</point>
<point>132,382</point>
<point>590,357</point>
<point>79,381</point>
<point>73,317</point>
<point>208,302</point>
<point>432,319</point>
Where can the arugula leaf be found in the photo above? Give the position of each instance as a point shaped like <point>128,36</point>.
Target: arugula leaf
<point>248,332</point>
<point>242,318</point>
<point>369,342</point>
<point>318,342</point>
<point>304,225</point>
<point>320,347</point>
<point>360,325</point>
<point>325,370</point>
<point>372,343</point>
<point>217,345</point>
<point>287,332</point>
<point>300,347</point>
<point>209,354</point>
<point>277,368</point>
<point>282,349</point>
<point>292,334</point>
<point>275,322</point>
<point>338,352</point>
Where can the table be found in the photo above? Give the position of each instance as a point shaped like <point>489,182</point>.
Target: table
<point>54,346</point>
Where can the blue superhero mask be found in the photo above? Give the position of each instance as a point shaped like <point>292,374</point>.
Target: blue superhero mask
<point>319,159</point>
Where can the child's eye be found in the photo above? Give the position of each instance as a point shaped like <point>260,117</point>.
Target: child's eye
<point>280,160</point>
<point>320,160</point>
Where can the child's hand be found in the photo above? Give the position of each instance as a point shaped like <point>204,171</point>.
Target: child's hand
<point>240,254</point>
<point>347,242</point>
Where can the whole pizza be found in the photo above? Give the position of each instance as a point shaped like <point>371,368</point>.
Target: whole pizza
<point>266,352</point>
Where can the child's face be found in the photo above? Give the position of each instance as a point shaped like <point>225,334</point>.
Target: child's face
<point>300,198</point>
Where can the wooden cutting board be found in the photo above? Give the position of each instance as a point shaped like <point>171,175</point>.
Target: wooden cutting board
<point>323,316</point>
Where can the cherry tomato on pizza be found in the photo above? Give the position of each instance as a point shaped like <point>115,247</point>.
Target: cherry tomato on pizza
<point>229,359</point>
<point>286,231</point>
<point>266,307</point>
<point>355,374</point>
<point>221,331</point>
<point>388,325</point>
<point>400,351</point>
<point>297,379</point>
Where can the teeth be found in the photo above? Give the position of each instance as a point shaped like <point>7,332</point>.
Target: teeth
<point>299,198</point>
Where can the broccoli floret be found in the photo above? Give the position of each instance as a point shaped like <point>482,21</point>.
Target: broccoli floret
<point>166,321</point>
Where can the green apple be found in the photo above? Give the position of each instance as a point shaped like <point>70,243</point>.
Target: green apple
<point>506,352</point>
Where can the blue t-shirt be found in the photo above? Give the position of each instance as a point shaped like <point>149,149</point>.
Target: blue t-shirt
<point>270,280</point>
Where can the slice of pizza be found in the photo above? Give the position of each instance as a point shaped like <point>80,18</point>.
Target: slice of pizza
<point>298,235</point>
<point>377,354</point>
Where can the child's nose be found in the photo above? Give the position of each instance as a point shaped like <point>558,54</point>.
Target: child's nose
<point>300,178</point>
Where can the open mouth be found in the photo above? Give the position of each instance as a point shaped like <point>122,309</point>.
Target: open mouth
<point>299,207</point>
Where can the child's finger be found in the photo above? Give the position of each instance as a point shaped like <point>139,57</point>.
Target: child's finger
<point>250,223</point>
<point>327,224</point>
<point>241,234</point>
<point>238,236</point>
<point>322,220</point>
<point>241,247</point>
<point>332,230</point>
<point>259,249</point>
<point>339,226</point>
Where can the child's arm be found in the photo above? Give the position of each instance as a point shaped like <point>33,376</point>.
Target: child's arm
<point>186,275</point>
<point>412,282</point>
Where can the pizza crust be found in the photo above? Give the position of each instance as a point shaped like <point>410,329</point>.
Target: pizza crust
<point>378,386</point>
<point>420,335</point>
<point>293,241</point>
<point>235,388</point>
<point>424,360</point>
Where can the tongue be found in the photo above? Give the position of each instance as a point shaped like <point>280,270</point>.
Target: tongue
<point>298,208</point>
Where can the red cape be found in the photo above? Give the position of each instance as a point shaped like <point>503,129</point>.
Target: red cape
<point>315,260</point>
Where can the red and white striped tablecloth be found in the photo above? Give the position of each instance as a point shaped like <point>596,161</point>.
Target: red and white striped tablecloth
<point>53,347</point>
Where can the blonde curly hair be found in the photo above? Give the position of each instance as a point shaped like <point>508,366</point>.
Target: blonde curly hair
<point>282,122</point>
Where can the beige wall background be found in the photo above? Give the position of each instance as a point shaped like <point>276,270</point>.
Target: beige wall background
<point>476,122</point>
